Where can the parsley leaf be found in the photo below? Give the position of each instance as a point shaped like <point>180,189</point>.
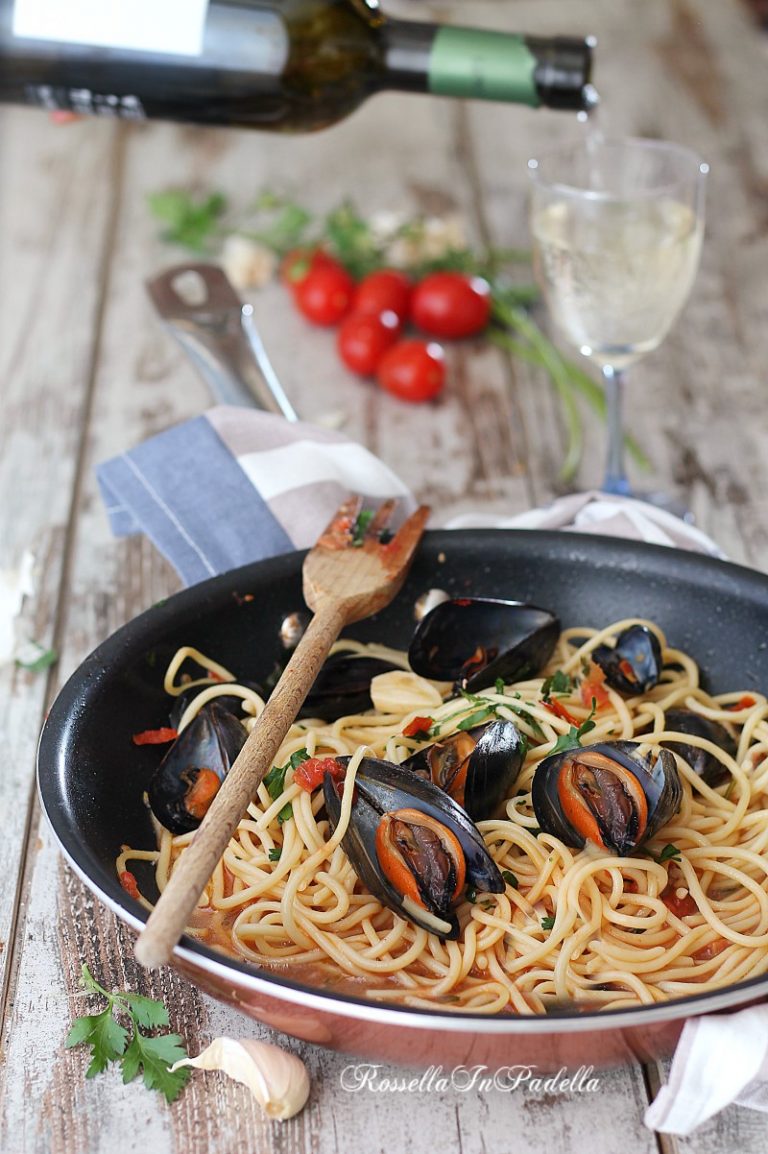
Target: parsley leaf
<point>572,739</point>
<point>109,1039</point>
<point>275,779</point>
<point>190,221</point>
<point>103,1034</point>
<point>669,853</point>
<point>559,682</point>
<point>147,1013</point>
<point>510,879</point>
<point>364,518</point>
<point>274,853</point>
<point>499,685</point>
<point>154,1056</point>
<point>35,658</point>
<point>476,718</point>
<point>548,922</point>
<point>285,814</point>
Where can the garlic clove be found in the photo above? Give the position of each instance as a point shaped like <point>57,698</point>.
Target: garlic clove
<point>278,1080</point>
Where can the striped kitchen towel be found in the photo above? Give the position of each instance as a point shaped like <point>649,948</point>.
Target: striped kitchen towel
<point>238,485</point>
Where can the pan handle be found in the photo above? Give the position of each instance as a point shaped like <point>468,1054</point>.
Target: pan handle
<point>201,309</point>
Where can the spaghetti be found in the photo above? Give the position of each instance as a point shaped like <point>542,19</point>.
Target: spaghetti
<point>584,928</point>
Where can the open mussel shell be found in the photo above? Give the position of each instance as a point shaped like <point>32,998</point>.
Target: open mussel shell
<point>607,793</point>
<point>701,761</point>
<point>343,686</point>
<point>411,845</point>
<point>475,640</point>
<point>477,767</point>
<point>188,778</point>
<point>633,665</point>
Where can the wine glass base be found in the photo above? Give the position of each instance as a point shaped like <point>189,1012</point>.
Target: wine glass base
<point>669,504</point>
<point>657,498</point>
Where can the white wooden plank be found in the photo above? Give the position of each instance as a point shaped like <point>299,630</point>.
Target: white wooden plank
<point>54,207</point>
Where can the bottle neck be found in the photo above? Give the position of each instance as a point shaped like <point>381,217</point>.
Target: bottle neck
<point>483,65</point>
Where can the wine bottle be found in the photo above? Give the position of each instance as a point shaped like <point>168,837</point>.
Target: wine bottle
<point>288,65</point>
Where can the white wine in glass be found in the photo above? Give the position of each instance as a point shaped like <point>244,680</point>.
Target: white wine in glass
<point>617,228</point>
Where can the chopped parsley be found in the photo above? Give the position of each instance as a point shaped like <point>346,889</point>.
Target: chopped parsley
<point>572,739</point>
<point>559,682</point>
<point>364,518</point>
<point>510,879</point>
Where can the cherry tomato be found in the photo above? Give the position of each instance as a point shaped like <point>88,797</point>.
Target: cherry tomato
<point>364,338</point>
<point>299,261</point>
<point>450,304</point>
<point>325,294</point>
<point>385,290</point>
<point>413,370</point>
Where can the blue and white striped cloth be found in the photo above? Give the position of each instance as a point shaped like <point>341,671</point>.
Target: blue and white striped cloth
<point>238,485</point>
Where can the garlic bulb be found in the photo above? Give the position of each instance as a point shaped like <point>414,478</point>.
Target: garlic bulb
<point>278,1081</point>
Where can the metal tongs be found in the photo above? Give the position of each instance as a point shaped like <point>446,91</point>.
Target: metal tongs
<point>216,329</point>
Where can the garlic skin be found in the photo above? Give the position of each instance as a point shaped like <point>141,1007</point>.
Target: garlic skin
<point>247,263</point>
<point>278,1081</point>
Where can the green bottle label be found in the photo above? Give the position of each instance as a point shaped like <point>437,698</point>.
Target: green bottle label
<point>482,66</point>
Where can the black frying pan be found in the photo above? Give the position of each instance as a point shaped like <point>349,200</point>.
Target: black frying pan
<point>91,776</point>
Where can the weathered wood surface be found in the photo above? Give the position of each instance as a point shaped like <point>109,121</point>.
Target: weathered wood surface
<point>87,372</point>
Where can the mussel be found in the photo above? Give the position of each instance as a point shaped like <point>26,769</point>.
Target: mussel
<point>477,767</point>
<point>189,776</point>
<point>343,685</point>
<point>411,845</point>
<point>701,761</point>
<point>475,640</point>
<point>633,665</point>
<point>607,793</point>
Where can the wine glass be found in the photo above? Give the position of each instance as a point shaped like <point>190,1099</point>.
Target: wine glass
<point>617,226</point>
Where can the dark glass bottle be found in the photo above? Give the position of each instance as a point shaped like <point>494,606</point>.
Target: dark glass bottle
<point>286,65</point>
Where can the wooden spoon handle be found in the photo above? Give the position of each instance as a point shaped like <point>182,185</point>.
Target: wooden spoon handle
<point>198,861</point>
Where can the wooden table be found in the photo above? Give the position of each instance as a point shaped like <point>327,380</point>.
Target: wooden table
<point>87,372</point>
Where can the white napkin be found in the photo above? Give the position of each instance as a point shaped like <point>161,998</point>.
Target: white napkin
<point>603,514</point>
<point>720,1060</point>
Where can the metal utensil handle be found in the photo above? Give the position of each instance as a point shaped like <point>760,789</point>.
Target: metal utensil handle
<point>218,333</point>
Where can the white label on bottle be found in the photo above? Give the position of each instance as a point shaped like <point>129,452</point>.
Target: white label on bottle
<point>169,26</point>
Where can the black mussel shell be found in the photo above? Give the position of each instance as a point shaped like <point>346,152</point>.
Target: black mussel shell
<point>210,743</point>
<point>633,665</point>
<point>343,686</point>
<point>701,761</point>
<point>383,788</point>
<point>610,776</point>
<point>477,767</point>
<point>475,640</point>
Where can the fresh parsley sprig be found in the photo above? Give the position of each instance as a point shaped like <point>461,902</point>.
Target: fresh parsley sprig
<point>135,1050</point>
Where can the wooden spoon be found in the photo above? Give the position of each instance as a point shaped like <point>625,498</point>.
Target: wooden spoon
<point>347,576</point>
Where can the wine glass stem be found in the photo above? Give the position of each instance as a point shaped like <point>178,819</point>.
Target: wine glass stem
<point>615,476</point>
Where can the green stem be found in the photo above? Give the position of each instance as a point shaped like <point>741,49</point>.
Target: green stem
<point>565,375</point>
